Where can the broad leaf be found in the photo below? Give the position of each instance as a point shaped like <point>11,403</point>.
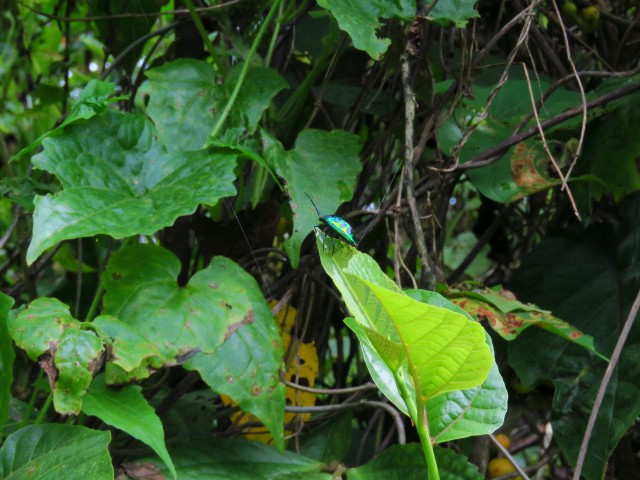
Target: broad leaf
<point>324,165</point>
<point>403,462</point>
<point>360,19</point>
<point>473,411</point>
<point>613,136</point>
<point>439,349</point>
<point>7,357</point>
<point>509,317</point>
<point>69,355</point>
<point>117,180</point>
<point>241,460</point>
<point>525,168</point>
<point>589,278</point>
<point>126,409</point>
<point>64,451</point>
<point>219,323</point>
<point>186,101</point>
<point>457,12</point>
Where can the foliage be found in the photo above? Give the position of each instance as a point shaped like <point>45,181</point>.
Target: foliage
<point>162,303</point>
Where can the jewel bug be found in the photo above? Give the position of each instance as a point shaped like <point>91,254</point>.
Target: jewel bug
<point>335,225</point>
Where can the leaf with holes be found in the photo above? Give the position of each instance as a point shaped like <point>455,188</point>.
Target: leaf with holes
<point>219,324</point>
<point>68,353</point>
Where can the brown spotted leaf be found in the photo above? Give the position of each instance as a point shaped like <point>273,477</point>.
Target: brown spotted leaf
<point>68,354</point>
<point>508,317</point>
<point>219,324</point>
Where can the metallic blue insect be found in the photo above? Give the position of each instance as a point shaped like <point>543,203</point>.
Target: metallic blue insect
<point>336,226</point>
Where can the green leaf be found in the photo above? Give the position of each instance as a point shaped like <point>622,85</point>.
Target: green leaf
<point>525,168</point>
<point>49,334</point>
<point>457,12</point>
<point>92,100</point>
<point>128,410</point>
<point>324,165</point>
<point>241,460</point>
<point>64,451</point>
<point>329,441</point>
<point>406,462</point>
<point>439,349</point>
<point>118,181</point>
<point>184,103</point>
<point>360,19</point>
<point>509,317</point>
<point>473,411</point>
<point>611,150</point>
<point>7,357</point>
<point>589,278</point>
<point>186,100</point>
<point>220,316</point>
<point>133,356</point>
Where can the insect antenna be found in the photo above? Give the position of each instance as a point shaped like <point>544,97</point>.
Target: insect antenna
<point>314,204</point>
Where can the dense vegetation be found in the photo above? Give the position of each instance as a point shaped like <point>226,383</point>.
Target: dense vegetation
<point>170,308</point>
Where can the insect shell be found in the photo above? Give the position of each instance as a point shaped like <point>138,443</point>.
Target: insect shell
<point>339,226</point>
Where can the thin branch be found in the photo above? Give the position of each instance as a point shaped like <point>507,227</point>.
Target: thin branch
<point>615,357</point>
<point>506,453</point>
<point>583,127</point>
<point>427,278</point>
<point>397,418</point>
<point>545,145</point>
<point>493,154</point>
<point>332,391</point>
<point>127,15</point>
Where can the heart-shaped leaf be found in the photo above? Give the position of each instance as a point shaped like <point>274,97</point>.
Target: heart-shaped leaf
<point>117,180</point>
<point>322,164</point>
<point>219,324</point>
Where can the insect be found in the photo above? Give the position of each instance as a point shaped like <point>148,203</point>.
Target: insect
<point>336,225</point>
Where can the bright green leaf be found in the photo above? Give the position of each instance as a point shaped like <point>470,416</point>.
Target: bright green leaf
<point>360,19</point>
<point>118,181</point>
<point>127,409</point>
<point>473,411</point>
<point>324,165</point>
<point>440,349</point>
<point>64,451</point>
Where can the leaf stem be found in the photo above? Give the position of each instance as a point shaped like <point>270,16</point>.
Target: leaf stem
<point>203,34</point>
<point>245,69</point>
<point>45,409</point>
<point>425,439</point>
